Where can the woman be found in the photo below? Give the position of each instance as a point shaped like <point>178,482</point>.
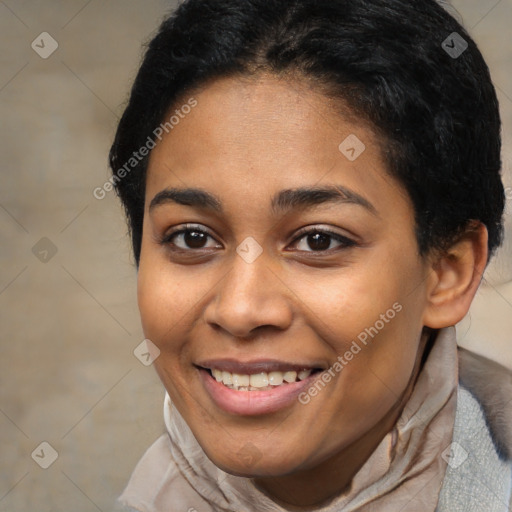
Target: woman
<point>313,190</point>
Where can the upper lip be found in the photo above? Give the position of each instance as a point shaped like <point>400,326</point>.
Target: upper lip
<point>256,366</point>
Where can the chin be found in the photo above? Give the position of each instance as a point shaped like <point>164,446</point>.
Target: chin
<point>251,462</point>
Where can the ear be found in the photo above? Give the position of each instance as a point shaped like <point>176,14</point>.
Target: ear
<point>455,275</point>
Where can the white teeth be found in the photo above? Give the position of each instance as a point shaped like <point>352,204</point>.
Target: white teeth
<point>290,376</point>
<point>227,378</point>
<point>275,378</point>
<point>239,380</point>
<point>258,381</point>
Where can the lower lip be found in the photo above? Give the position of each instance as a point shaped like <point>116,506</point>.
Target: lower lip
<point>251,403</point>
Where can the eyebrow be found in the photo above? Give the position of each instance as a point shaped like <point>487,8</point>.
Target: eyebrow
<point>282,202</point>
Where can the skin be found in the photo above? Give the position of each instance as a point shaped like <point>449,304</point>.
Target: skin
<point>246,140</point>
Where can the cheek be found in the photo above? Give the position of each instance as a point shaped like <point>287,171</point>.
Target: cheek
<point>372,320</point>
<point>371,381</point>
<point>161,299</point>
<point>344,305</point>
<point>164,321</point>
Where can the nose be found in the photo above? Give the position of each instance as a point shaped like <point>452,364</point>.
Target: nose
<point>250,296</point>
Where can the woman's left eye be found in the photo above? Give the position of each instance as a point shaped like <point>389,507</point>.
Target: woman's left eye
<point>320,241</point>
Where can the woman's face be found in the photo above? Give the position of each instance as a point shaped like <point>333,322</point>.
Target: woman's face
<point>254,274</point>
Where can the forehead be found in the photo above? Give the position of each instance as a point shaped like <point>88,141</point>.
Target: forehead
<point>254,137</point>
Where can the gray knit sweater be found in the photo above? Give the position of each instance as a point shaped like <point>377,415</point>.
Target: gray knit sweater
<point>476,479</point>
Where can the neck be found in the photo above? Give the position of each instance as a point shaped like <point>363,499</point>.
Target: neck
<point>315,486</point>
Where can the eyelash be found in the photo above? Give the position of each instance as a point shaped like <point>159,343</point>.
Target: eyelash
<point>345,243</point>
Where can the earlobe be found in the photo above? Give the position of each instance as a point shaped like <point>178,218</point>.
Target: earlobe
<point>455,277</point>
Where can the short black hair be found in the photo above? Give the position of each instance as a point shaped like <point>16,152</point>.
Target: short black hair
<point>405,66</point>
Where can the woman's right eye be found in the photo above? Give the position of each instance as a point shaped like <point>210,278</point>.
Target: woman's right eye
<point>188,239</point>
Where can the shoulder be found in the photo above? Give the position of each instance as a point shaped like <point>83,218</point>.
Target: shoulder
<point>157,484</point>
<point>147,477</point>
<point>491,385</point>
<point>478,477</point>
<point>479,472</point>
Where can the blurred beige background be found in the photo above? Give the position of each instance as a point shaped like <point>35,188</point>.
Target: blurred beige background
<point>69,319</point>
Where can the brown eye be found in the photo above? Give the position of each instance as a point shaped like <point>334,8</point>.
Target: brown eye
<point>195,239</point>
<point>188,239</point>
<point>317,240</point>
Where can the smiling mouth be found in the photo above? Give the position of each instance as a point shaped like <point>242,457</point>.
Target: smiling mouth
<point>262,381</point>
<point>256,387</point>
